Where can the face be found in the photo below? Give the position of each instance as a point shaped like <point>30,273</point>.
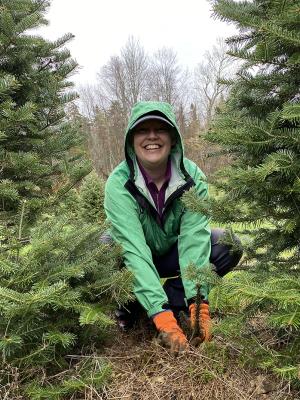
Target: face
<point>152,143</point>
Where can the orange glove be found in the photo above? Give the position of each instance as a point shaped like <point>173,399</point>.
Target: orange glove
<point>170,333</point>
<point>204,320</point>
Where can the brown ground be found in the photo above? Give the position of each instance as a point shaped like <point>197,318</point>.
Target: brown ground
<point>144,370</point>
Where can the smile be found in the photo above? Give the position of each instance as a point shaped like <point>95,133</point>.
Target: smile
<point>152,146</point>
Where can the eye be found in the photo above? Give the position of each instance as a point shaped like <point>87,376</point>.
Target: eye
<point>162,130</point>
<point>141,131</point>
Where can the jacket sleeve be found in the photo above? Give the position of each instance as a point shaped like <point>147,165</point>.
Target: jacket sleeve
<point>194,245</point>
<point>122,212</point>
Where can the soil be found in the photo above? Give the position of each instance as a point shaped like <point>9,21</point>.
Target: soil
<point>143,369</point>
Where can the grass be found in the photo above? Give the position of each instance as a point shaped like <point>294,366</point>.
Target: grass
<point>144,370</point>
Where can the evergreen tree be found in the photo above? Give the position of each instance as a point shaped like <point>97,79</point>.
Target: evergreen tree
<point>35,135</point>
<point>56,294</point>
<point>58,283</point>
<point>80,125</point>
<point>91,199</point>
<point>260,128</point>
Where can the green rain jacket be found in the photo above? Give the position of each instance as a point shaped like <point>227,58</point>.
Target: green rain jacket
<point>136,225</point>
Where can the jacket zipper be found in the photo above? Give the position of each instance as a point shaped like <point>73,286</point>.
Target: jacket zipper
<point>179,191</point>
<point>157,202</point>
<point>160,220</point>
<point>176,194</point>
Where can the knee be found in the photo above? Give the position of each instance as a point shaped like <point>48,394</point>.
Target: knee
<point>226,238</point>
<point>226,250</point>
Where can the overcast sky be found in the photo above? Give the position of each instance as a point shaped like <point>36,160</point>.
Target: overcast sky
<point>102,27</point>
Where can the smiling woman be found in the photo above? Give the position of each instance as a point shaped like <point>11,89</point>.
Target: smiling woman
<point>152,142</point>
<point>159,237</point>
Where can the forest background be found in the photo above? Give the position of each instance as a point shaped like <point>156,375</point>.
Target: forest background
<point>133,75</point>
<point>59,285</point>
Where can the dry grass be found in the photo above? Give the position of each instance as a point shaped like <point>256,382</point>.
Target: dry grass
<point>144,370</point>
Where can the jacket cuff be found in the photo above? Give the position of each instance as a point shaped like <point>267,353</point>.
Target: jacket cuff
<point>158,309</point>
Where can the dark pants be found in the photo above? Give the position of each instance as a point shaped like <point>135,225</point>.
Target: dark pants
<point>222,257</point>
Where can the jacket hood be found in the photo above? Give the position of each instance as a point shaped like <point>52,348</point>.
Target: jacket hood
<point>165,110</point>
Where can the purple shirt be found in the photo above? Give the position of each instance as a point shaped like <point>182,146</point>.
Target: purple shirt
<point>158,196</point>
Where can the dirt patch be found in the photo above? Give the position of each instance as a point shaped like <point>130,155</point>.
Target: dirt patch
<point>144,370</point>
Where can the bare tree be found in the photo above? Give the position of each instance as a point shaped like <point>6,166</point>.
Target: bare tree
<point>164,76</point>
<point>88,101</point>
<point>135,62</point>
<point>112,81</point>
<point>209,91</point>
<point>91,100</point>
<point>123,78</point>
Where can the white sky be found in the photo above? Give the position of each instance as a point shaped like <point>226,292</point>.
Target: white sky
<point>102,27</point>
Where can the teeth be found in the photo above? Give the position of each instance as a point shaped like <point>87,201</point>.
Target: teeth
<point>152,146</point>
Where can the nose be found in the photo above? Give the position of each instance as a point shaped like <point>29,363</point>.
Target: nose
<point>152,133</point>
